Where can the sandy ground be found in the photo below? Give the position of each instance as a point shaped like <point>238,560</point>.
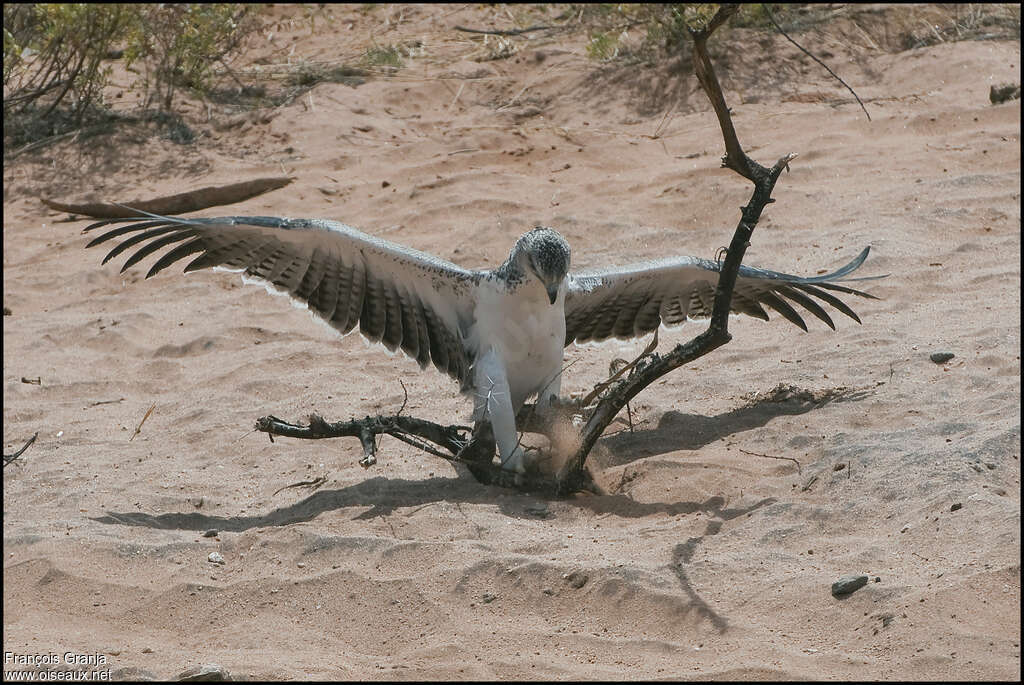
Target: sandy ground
<point>704,561</point>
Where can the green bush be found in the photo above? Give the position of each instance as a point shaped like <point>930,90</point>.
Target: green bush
<point>178,45</point>
<point>53,54</point>
<point>663,26</point>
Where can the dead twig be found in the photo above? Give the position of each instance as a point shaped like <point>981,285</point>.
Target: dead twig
<point>313,484</point>
<point>9,458</point>
<point>771,18</point>
<point>96,404</point>
<point>138,429</point>
<point>771,456</point>
<point>506,32</point>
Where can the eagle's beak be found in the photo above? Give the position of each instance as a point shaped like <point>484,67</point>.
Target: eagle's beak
<point>552,292</point>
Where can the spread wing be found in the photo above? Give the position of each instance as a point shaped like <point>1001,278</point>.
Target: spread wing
<point>630,302</point>
<point>400,297</point>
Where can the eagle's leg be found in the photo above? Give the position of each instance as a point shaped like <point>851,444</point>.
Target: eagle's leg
<point>493,403</point>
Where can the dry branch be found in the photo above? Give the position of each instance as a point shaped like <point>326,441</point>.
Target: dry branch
<point>506,32</point>
<point>182,203</point>
<point>453,443</point>
<point>806,52</point>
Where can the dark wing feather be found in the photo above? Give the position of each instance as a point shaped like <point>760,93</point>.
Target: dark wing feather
<point>397,296</point>
<point>631,302</point>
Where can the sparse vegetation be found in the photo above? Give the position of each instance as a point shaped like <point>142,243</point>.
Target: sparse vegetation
<point>308,74</point>
<point>643,32</point>
<point>383,56</point>
<point>603,46</point>
<point>54,58</point>
<point>178,45</point>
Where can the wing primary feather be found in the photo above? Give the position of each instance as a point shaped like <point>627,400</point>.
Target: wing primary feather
<point>808,304</point>
<point>157,244</point>
<point>180,252</point>
<point>782,307</point>
<point>831,299</point>
<point>107,222</point>
<point>136,239</point>
<point>843,289</point>
<point>130,228</point>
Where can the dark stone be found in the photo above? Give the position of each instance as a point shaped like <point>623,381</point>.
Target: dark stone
<point>848,584</point>
<point>941,357</point>
<point>1003,93</point>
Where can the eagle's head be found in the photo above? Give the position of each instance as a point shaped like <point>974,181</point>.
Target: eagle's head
<point>544,253</point>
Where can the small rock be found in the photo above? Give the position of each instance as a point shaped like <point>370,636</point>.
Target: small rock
<point>548,591</point>
<point>941,357</point>
<point>956,506</point>
<point>848,584</point>
<point>207,673</point>
<point>488,597</point>
<point>576,579</point>
<point>147,650</point>
<point>211,533</point>
<point>1003,93</point>
<point>301,564</point>
<point>878,579</point>
<point>216,558</point>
